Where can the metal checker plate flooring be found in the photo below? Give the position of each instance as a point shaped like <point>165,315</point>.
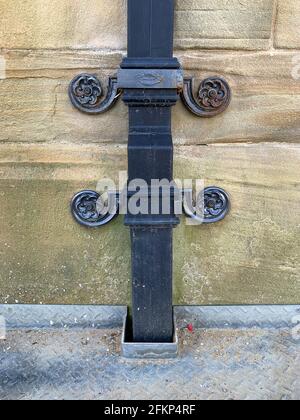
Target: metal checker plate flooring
<point>214,363</point>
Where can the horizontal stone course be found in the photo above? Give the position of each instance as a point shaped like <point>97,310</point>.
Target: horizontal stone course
<point>252,257</point>
<point>35,107</point>
<point>287,34</point>
<point>82,24</point>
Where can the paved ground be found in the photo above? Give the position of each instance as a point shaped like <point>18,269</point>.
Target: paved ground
<point>213,364</point>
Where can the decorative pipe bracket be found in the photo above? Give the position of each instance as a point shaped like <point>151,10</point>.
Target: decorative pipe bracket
<point>213,96</point>
<point>87,207</point>
<point>214,205</point>
<point>86,94</point>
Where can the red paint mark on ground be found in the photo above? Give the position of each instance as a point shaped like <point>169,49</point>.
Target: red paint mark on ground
<point>190,328</point>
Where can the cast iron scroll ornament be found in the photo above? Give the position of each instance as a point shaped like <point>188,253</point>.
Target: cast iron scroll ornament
<point>86,94</point>
<point>215,205</point>
<point>214,96</point>
<point>87,208</point>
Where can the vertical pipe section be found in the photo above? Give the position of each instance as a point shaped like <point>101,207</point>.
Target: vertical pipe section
<point>150,28</point>
<point>150,156</point>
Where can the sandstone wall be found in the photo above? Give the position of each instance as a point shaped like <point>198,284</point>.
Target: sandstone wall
<point>49,151</point>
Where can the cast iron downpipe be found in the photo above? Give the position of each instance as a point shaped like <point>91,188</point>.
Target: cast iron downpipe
<point>151,81</point>
<point>150,156</point>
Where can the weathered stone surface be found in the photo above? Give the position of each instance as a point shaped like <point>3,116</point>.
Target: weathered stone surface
<point>224,24</point>
<point>63,24</point>
<point>45,256</point>
<point>81,24</point>
<point>251,257</point>
<point>287,33</point>
<point>35,107</point>
<point>49,151</point>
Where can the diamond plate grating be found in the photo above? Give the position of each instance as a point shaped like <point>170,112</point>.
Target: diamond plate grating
<point>264,316</point>
<point>86,364</point>
<point>225,359</point>
<point>57,316</point>
<point>62,316</point>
